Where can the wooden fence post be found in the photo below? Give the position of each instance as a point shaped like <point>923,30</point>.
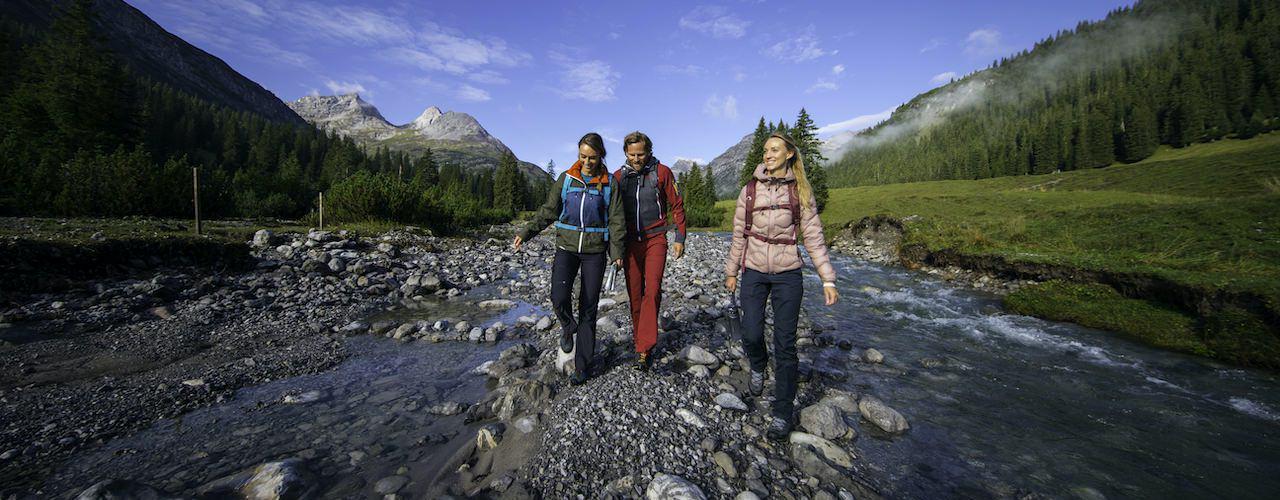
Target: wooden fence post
<point>195,194</point>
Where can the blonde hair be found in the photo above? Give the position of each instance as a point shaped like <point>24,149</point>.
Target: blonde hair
<point>803,188</point>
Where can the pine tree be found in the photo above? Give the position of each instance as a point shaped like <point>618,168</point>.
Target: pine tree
<point>805,134</point>
<point>507,196</point>
<point>755,155</point>
<point>551,168</point>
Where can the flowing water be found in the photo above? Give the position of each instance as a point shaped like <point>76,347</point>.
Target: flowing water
<point>999,405</point>
<point>1003,405</point>
<point>359,422</point>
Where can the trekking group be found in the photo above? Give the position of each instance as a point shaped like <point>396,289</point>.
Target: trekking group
<point>624,217</point>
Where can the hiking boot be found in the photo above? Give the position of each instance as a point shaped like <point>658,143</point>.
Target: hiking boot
<point>643,361</point>
<point>756,385</point>
<point>578,378</point>
<point>779,429</point>
<point>566,343</point>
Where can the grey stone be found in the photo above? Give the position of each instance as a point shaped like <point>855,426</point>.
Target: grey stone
<point>829,450</point>
<point>263,238</point>
<point>669,487</point>
<point>823,421</point>
<point>690,418</point>
<point>725,462</point>
<point>390,484</point>
<point>446,408</point>
<point>880,414</point>
<point>117,489</point>
<point>730,401</point>
<point>873,356</point>
<point>276,480</point>
<point>698,356</point>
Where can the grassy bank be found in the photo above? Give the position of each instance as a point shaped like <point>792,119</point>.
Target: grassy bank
<point>1206,218</point>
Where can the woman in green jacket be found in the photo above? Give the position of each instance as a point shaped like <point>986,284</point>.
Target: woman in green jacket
<point>587,212</point>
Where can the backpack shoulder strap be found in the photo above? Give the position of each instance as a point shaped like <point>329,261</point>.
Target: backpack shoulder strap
<point>564,195</point>
<point>795,211</point>
<point>751,202</point>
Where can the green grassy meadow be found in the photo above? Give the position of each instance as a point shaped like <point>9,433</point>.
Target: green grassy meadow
<point>1205,216</point>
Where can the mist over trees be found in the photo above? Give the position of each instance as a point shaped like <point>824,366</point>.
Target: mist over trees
<point>1172,72</point>
<point>81,135</point>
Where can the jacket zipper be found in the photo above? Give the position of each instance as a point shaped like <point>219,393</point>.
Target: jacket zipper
<point>639,230</point>
<point>582,206</point>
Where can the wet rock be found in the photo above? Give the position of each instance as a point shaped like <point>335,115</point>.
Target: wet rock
<point>829,450</point>
<point>873,356</point>
<point>303,398</point>
<point>669,487</point>
<point>730,401</point>
<point>121,489</point>
<point>497,304</point>
<point>285,479</point>
<point>747,495</point>
<point>522,397</point>
<point>390,484</point>
<point>880,414</point>
<point>543,324</point>
<point>447,408</point>
<point>337,265</point>
<point>823,421</point>
<point>846,402</point>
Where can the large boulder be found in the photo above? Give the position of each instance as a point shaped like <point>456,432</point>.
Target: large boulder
<point>121,489</point>
<point>286,479</point>
<point>824,421</point>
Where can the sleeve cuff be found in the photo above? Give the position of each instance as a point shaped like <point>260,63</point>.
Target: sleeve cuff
<point>828,284</point>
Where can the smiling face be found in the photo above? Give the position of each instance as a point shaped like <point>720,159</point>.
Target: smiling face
<point>589,157</point>
<point>776,154</point>
<point>636,155</point>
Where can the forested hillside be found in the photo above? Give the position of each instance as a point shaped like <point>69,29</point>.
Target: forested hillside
<point>81,133</point>
<point>1170,72</point>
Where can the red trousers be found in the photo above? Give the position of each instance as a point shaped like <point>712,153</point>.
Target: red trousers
<point>645,262</point>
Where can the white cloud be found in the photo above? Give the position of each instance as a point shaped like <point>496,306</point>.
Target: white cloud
<point>715,21</point>
<point>721,108</point>
<point>592,80</point>
<point>942,78</point>
<point>984,42</point>
<point>471,94</point>
<point>855,123</point>
<point>803,47</point>
<point>487,76</point>
<point>350,24</point>
<point>347,88</point>
<point>683,70</point>
<point>933,44</point>
<point>837,69</point>
<point>822,85</point>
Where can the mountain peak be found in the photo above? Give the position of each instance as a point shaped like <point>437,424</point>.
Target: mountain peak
<point>428,116</point>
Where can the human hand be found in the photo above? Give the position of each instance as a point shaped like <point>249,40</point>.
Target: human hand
<point>731,283</point>
<point>618,262</point>
<point>516,244</point>
<point>677,249</point>
<point>831,294</point>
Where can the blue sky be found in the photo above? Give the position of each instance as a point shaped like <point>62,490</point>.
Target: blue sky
<point>694,76</point>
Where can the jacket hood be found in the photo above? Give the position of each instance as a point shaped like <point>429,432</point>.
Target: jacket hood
<point>602,176</point>
<point>789,174</point>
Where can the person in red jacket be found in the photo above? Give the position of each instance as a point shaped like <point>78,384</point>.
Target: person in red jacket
<point>652,206</point>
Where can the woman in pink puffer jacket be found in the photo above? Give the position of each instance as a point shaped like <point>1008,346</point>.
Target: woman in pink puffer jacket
<point>775,210</point>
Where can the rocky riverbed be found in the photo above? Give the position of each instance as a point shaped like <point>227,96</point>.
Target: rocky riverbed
<point>128,352</point>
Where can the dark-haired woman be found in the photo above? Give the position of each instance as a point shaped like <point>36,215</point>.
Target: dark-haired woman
<point>587,212</point>
<point>775,210</point>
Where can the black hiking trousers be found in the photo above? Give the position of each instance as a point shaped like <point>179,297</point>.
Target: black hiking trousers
<point>784,291</point>
<point>583,325</point>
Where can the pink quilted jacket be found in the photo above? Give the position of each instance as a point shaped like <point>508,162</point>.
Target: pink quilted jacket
<point>776,223</point>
